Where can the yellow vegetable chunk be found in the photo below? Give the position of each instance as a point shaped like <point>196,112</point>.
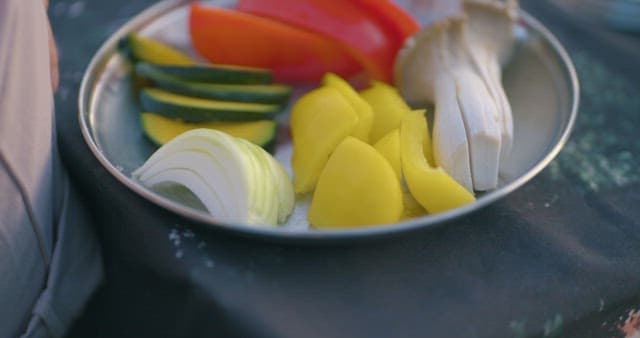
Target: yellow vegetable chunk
<point>388,108</point>
<point>412,208</point>
<point>427,147</point>
<point>162,129</point>
<point>320,120</point>
<point>357,188</point>
<point>362,108</point>
<point>389,147</point>
<point>432,187</point>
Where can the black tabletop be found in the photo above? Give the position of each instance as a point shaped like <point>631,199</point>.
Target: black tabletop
<point>558,257</point>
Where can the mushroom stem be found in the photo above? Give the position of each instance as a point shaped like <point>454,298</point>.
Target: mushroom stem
<point>456,64</point>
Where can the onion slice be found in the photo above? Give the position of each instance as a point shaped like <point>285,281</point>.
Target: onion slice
<point>234,179</point>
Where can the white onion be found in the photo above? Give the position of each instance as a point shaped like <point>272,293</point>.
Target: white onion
<point>236,180</point>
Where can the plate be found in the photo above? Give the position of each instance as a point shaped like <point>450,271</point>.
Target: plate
<point>540,82</point>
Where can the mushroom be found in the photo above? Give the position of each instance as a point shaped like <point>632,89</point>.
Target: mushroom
<point>490,39</point>
<point>456,63</point>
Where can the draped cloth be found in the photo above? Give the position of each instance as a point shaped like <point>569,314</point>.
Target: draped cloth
<point>50,260</point>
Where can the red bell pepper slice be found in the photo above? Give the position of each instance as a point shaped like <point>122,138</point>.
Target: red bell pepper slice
<point>293,54</point>
<point>391,16</point>
<point>344,22</point>
<point>371,37</point>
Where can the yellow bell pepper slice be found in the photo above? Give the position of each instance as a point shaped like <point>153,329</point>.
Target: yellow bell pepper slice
<point>364,110</point>
<point>431,186</point>
<point>412,208</point>
<point>320,120</point>
<point>389,147</point>
<point>388,108</point>
<point>357,188</point>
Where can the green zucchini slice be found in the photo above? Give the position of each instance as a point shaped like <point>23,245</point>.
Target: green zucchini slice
<point>149,50</point>
<point>161,130</point>
<point>229,74</point>
<point>178,64</point>
<point>260,93</point>
<point>191,109</point>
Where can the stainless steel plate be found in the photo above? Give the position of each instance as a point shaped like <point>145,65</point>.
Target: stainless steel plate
<point>540,81</point>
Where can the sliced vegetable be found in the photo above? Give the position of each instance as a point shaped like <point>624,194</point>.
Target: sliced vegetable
<point>357,188</point>
<point>367,36</point>
<point>388,108</point>
<point>490,37</point>
<point>455,63</point>
<point>392,17</point>
<point>276,94</point>
<point>234,179</point>
<point>320,120</point>
<point>173,62</point>
<point>412,208</point>
<point>293,54</point>
<point>284,188</point>
<point>155,52</point>
<point>432,187</point>
<point>389,147</point>
<point>450,139</point>
<point>192,109</point>
<point>265,184</point>
<point>221,74</point>
<point>362,108</point>
<point>162,130</point>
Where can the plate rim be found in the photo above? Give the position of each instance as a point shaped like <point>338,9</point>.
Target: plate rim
<point>109,47</point>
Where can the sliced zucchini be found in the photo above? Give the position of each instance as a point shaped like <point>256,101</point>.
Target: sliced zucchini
<point>192,109</point>
<point>148,50</point>
<point>175,63</point>
<point>217,73</point>
<point>162,130</point>
<point>268,93</point>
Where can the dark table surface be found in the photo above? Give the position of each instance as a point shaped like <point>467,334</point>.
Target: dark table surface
<point>558,257</point>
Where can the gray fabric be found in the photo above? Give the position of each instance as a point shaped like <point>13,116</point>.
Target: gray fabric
<point>49,258</point>
<point>76,271</point>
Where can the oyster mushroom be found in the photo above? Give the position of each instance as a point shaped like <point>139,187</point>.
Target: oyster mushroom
<point>455,63</point>
<point>490,39</point>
